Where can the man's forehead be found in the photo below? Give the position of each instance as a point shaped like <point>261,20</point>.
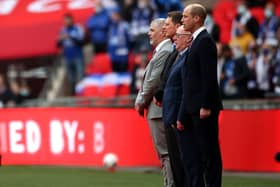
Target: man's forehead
<point>186,10</point>
<point>154,27</point>
<point>168,20</point>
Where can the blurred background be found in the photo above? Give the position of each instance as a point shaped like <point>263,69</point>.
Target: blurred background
<point>70,69</point>
<point>57,48</point>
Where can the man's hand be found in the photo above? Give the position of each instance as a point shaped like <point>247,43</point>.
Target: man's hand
<point>159,104</point>
<point>180,126</point>
<point>204,113</point>
<point>139,109</point>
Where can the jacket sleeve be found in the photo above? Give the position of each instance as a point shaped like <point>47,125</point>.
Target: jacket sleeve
<point>208,70</point>
<point>164,76</point>
<point>182,109</point>
<point>152,79</point>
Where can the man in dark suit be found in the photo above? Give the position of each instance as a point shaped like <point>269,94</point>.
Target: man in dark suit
<point>171,103</point>
<point>172,23</point>
<point>197,118</point>
<point>234,75</point>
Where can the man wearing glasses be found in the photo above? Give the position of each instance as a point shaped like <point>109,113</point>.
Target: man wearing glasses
<point>171,103</point>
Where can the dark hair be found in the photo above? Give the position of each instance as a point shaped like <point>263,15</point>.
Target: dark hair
<point>176,17</point>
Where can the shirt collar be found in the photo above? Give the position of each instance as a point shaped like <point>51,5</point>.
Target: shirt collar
<point>184,51</point>
<point>159,46</point>
<point>198,31</point>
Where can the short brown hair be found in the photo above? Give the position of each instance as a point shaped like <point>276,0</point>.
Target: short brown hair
<point>198,10</point>
<point>176,17</point>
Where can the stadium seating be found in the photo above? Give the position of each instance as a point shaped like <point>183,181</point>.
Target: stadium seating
<point>101,63</point>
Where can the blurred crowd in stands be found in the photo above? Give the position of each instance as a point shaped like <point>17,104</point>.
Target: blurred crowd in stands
<point>13,92</point>
<point>248,65</point>
<point>119,29</point>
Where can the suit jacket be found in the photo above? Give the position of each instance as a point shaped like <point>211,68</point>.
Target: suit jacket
<point>164,75</point>
<point>151,81</point>
<point>241,75</point>
<point>173,92</point>
<point>199,77</point>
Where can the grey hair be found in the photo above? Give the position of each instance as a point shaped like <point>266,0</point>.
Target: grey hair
<point>158,22</point>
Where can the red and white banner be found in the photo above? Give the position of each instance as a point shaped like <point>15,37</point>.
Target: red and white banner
<point>75,137</point>
<point>30,27</point>
<point>82,136</point>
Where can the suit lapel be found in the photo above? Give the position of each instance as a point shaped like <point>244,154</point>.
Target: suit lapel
<point>153,58</point>
<point>196,39</point>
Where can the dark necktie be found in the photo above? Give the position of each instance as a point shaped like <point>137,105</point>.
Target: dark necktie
<point>178,57</point>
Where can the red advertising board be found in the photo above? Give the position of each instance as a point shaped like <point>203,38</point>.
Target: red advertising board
<point>82,136</point>
<point>74,137</point>
<point>250,140</point>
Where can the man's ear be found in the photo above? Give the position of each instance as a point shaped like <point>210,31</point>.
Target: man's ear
<point>196,18</point>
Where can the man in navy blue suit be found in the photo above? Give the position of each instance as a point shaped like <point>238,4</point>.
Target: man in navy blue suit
<point>197,118</point>
<point>172,23</point>
<point>171,103</point>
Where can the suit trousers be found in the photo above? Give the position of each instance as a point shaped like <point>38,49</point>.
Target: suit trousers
<point>176,162</point>
<point>158,134</point>
<point>201,151</point>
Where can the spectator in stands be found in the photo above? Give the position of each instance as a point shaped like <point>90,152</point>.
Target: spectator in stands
<point>25,91</point>
<point>264,68</point>
<point>98,27</point>
<point>15,89</point>
<point>251,57</point>
<point>119,42</point>
<point>126,8</point>
<point>242,39</point>
<point>212,28</point>
<point>234,76</point>
<point>270,24</point>
<point>256,3</point>
<point>6,96</point>
<point>165,6</point>
<point>70,39</point>
<point>140,62</point>
<point>244,17</point>
<point>142,15</point>
<point>276,64</point>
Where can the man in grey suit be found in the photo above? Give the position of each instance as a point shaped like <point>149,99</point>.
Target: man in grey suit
<point>145,95</point>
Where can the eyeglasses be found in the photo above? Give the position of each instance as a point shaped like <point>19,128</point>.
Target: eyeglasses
<point>182,34</point>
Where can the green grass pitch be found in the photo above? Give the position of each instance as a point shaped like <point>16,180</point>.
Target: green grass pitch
<point>23,176</point>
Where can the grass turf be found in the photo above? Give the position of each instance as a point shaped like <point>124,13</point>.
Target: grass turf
<point>81,177</point>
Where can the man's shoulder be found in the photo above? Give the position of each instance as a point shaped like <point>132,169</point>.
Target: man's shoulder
<point>205,37</point>
<point>167,47</point>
